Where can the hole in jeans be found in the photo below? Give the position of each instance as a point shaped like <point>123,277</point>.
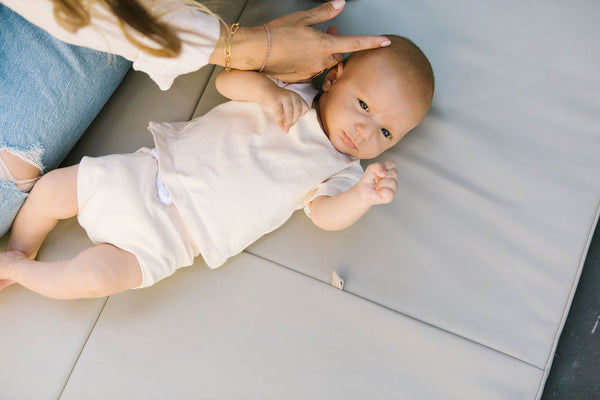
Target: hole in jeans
<point>14,168</point>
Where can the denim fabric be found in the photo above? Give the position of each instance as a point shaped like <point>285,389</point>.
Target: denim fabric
<point>50,92</point>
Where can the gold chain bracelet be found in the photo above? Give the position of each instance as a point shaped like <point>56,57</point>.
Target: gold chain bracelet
<point>230,32</point>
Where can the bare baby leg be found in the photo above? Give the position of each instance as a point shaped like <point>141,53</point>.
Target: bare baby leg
<point>54,197</point>
<point>22,172</point>
<point>98,271</point>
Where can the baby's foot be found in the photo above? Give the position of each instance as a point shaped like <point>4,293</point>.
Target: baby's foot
<point>6,258</point>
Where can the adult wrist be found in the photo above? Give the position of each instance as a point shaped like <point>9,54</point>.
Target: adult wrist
<point>231,30</point>
<point>249,48</point>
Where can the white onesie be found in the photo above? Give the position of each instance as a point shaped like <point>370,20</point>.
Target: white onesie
<point>234,176</point>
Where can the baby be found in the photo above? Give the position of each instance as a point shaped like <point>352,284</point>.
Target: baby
<point>214,185</point>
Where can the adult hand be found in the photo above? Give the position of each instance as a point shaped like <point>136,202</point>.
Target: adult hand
<point>298,51</point>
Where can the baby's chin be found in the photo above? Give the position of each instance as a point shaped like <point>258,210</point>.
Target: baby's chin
<point>356,153</point>
<point>344,151</point>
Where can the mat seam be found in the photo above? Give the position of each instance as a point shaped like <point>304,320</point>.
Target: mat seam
<point>82,348</point>
<point>403,314</point>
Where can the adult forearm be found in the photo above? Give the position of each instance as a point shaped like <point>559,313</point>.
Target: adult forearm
<point>199,33</point>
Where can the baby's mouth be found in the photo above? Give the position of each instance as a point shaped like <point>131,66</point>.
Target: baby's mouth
<point>348,141</point>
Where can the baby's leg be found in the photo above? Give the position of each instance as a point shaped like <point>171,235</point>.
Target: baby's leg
<point>54,197</point>
<point>96,272</point>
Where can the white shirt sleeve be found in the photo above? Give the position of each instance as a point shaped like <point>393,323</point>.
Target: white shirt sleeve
<point>303,89</point>
<point>336,184</point>
<point>199,33</point>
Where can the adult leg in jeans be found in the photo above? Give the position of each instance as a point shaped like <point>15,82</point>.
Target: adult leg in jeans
<point>50,92</point>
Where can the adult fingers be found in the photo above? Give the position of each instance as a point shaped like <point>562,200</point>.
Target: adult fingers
<point>341,44</point>
<point>351,43</point>
<point>322,13</point>
<point>333,31</point>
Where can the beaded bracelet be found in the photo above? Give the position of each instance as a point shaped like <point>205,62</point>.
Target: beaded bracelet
<point>268,48</point>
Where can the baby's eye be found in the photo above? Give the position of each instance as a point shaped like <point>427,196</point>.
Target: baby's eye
<point>386,133</point>
<point>363,105</point>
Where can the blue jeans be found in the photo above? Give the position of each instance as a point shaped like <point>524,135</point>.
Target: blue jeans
<point>50,92</point>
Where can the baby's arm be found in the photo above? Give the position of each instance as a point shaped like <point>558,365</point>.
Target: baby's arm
<point>287,106</point>
<point>378,185</point>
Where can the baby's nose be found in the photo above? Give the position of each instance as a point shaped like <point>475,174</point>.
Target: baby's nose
<point>364,130</point>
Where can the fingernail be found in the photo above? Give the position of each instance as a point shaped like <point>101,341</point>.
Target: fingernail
<point>338,3</point>
<point>386,43</point>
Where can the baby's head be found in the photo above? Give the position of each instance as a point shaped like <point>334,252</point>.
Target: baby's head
<point>375,97</point>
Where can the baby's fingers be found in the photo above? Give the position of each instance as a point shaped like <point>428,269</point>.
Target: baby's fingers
<point>376,170</point>
<point>294,108</point>
<point>279,114</point>
<point>386,183</point>
<point>387,170</point>
<point>391,174</point>
<point>288,109</point>
<point>385,180</point>
<point>300,109</point>
<point>389,165</point>
<point>386,195</point>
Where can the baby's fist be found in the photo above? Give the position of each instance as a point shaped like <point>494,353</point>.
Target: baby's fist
<point>379,183</point>
<point>287,107</point>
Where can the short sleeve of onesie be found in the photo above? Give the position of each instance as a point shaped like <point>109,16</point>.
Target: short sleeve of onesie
<point>336,184</point>
<point>305,90</point>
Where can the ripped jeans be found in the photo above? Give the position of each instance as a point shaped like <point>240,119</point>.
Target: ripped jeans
<point>50,92</point>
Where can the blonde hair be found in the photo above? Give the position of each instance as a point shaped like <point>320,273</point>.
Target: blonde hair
<point>75,14</point>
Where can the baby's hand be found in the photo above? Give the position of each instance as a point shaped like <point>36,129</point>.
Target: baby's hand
<point>379,183</point>
<point>287,106</point>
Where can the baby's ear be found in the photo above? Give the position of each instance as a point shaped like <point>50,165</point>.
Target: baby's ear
<point>332,75</point>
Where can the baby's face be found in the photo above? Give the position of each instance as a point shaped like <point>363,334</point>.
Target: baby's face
<point>366,108</point>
